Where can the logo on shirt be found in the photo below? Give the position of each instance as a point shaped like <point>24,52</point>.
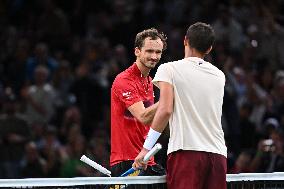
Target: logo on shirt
<point>126,95</point>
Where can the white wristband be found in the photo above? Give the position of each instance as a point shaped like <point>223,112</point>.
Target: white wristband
<point>151,139</point>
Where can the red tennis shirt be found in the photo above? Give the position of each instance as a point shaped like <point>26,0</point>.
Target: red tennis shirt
<point>127,133</point>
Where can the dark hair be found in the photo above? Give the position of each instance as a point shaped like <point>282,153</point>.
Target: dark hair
<point>200,36</point>
<point>153,34</point>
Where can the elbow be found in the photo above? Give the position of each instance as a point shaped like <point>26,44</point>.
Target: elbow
<point>166,113</point>
<point>145,120</point>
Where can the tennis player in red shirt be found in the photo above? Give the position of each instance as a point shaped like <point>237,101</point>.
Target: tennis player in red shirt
<point>132,104</point>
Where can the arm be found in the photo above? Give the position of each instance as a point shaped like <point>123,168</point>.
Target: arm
<point>165,109</point>
<point>127,92</point>
<point>144,115</point>
<point>162,116</point>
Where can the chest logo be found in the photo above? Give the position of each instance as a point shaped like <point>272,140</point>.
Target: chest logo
<point>126,95</point>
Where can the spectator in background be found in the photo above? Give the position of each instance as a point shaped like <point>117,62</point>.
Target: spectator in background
<point>271,38</point>
<point>15,66</point>
<point>98,152</point>
<point>242,163</point>
<point>276,100</point>
<point>32,165</point>
<point>240,84</point>
<point>228,30</point>
<point>49,149</point>
<point>230,107</point>
<point>43,58</point>
<point>248,135</point>
<point>72,166</point>
<point>270,152</point>
<point>39,98</point>
<point>119,62</point>
<point>85,88</point>
<point>62,80</point>
<point>72,118</point>
<point>53,25</point>
<point>14,135</point>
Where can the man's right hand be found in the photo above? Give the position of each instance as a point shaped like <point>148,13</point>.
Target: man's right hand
<point>138,162</point>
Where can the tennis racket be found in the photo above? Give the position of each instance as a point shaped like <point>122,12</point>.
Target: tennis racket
<point>95,165</point>
<point>130,171</point>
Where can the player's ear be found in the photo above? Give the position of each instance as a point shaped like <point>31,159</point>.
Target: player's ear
<point>185,41</point>
<point>137,51</point>
<point>208,51</point>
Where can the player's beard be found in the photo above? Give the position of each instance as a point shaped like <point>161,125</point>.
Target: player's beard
<point>150,64</point>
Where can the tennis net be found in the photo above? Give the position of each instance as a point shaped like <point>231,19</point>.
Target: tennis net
<point>141,182</point>
<point>256,181</point>
<point>234,181</point>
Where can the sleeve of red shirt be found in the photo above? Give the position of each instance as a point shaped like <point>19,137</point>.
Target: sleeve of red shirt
<point>126,90</point>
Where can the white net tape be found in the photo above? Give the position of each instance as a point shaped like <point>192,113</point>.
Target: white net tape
<point>79,181</point>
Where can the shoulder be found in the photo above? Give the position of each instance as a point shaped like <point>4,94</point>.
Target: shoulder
<point>122,79</point>
<point>123,76</point>
<point>170,66</point>
<point>217,71</point>
<point>167,65</point>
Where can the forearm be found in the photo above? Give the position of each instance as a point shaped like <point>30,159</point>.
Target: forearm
<point>162,116</point>
<point>158,125</point>
<point>148,115</point>
<point>161,120</point>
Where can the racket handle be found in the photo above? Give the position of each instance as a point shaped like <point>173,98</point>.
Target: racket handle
<point>95,165</point>
<point>152,152</point>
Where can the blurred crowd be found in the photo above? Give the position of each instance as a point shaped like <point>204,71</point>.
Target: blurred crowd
<point>58,60</point>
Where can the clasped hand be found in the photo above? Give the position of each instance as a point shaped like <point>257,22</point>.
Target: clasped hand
<point>139,162</point>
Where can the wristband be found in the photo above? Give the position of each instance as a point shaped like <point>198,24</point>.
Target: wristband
<point>151,139</point>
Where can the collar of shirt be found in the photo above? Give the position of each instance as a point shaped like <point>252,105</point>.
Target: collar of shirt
<point>145,81</point>
<point>135,70</point>
<point>196,60</point>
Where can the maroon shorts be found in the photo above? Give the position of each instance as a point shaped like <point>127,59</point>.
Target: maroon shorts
<point>196,170</point>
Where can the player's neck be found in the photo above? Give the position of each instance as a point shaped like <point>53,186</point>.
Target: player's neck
<point>143,69</point>
<point>191,52</point>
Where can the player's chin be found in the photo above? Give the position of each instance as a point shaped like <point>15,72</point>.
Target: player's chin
<point>152,65</point>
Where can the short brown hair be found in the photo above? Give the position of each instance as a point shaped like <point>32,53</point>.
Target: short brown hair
<point>200,36</point>
<point>153,34</point>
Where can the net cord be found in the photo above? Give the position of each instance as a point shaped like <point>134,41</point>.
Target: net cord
<point>79,181</point>
<point>255,177</point>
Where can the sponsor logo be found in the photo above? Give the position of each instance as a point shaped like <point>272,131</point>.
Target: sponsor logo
<point>126,95</point>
